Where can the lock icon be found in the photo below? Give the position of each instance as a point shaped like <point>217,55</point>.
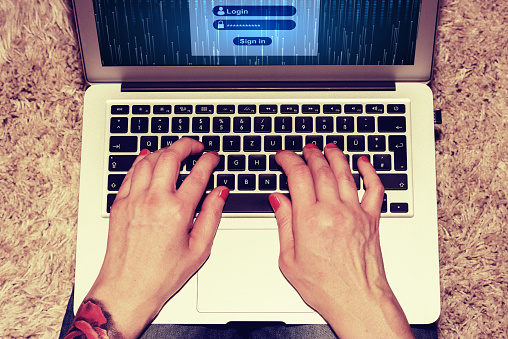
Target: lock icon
<point>220,24</point>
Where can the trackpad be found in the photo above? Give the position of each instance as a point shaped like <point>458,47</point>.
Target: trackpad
<point>242,275</point>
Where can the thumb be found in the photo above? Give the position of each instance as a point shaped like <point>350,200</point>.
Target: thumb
<point>283,213</point>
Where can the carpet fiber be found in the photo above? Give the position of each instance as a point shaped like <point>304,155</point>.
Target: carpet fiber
<point>41,96</point>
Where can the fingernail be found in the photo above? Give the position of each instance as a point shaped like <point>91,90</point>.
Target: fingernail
<point>279,152</point>
<point>364,158</point>
<point>144,151</point>
<point>331,145</point>
<point>274,202</point>
<point>214,153</point>
<point>311,145</point>
<point>224,193</point>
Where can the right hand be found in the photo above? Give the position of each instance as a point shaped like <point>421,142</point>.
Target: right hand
<point>329,244</point>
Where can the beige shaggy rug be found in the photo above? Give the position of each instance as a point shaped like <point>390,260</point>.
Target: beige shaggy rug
<point>41,96</point>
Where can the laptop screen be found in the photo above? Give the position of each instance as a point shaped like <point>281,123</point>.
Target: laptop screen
<point>262,32</point>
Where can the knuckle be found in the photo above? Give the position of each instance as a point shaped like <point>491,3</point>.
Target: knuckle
<point>300,170</point>
<point>170,155</point>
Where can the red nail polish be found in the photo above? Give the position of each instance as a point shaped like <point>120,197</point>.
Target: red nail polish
<point>274,202</point>
<point>224,193</point>
<point>364,158</point>
<point>144,151</point>
<point>214,153</point>
<point>331,145</point>
<point>279,152</point>
<point>311,145</point>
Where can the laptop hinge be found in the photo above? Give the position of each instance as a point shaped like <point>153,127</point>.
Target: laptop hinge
<point>257,86</point>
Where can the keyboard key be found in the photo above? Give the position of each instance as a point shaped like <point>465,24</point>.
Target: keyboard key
<point>139,125</point>
<point>162,109</point>
<point>121,163</point>
<point>222,125</point>
<point>289,109</point>
<point>391,124</point>
<point>258,203</point>
<point>242,125</point>
<point>123,144</point>
<point>183,109</point>
<point>267,182</point>
<point>231,143</point>
<point>365,124</point>
<point>247,109</point>
<point>384,207</point>
<point>222,163</point>
<point>268,109</point>
<point>375,109</point>
<point>204,109</point>
<point>257,162</point>
<point>356,178</point>
<point>394,182</point>
<point>226,109</point>
<point>382,162</point>
<point>150,143</point>
<point>246,182</point>
<point>355,160</point>
<point>191,160</point>
<point>283,182</point>
<point>110,200</point>
<point>160,125</point>
<point>115,181</point>
<point>236,162</point>
<point>227,180</point>
<point>397,108</point>
<point>377,143</point>
<point>120,109</point>
<point>399,207</point>
<point>311,109</point>
<point>200,125</point>
<point>337,140</point>
<point>324,124</point>
<point>353,109</point>
<point>397,144</point>
<point>293,143</point>
<point>332,109</point>
<point>283,125</point>
<point>273,165</point>
<point>273,143</point>
<point>141,109</point>
<point>304,124</point>
<point>181,178</point>
<point>314,139</point>
<point>356,143</point>
<point>262,124</point>
<point>167,141</point>
<point>119,125</point>
<point>180,125</point>
<point>212,143</point>
<point>252,143</point>
<point>345,124</point>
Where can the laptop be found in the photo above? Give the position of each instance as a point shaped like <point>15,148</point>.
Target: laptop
<point>248,78</point>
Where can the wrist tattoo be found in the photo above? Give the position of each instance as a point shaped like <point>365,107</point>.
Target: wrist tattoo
<point>92,321</point>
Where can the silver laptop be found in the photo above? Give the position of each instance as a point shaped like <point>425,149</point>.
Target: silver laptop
<point>248,78</point>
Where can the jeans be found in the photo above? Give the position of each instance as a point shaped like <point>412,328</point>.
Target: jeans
<point>242,330</point>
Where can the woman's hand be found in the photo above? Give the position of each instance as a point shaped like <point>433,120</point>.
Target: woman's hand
<point>329,244</point>
<point>154,246</point>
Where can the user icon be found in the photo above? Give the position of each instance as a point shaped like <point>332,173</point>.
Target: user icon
<point>221,11</point>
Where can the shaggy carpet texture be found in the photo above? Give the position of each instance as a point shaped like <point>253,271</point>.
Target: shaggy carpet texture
<point>41,98</point>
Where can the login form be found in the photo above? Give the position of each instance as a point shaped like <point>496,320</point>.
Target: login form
<point>254,28</point>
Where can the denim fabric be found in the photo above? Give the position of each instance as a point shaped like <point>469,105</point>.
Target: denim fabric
<point>242,330</point>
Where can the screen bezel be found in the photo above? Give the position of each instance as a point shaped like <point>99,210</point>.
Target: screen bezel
<point>95,72</point>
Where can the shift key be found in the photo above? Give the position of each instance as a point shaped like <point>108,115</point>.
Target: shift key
<point>394,182</point>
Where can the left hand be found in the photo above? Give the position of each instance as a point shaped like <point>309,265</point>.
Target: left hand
<point>154,246</point>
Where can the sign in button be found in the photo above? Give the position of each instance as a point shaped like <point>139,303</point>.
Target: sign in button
<point>252,41</point>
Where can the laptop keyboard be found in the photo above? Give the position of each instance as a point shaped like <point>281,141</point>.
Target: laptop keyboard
<point>247,136</point>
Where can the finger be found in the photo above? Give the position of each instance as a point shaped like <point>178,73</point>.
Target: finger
<point>207,222</point>
<point>325,183</point>
<point>300,182</point>
<point>194,185</point>
<point>283,213</point>
<point>126,187</point>
<point>340,167</point>
<point>166,170</point>
<point>372,199</point>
